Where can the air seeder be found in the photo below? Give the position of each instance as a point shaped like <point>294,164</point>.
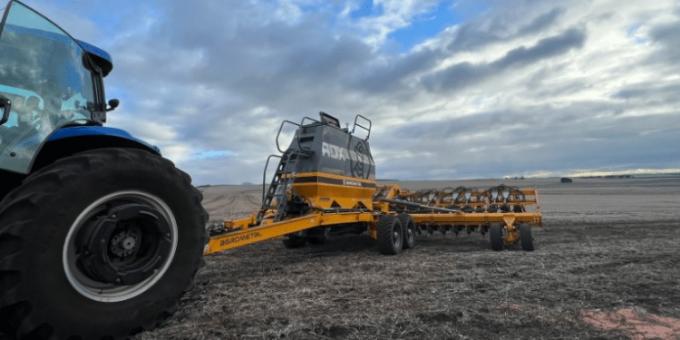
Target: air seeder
<point>100,235</point>
<point>325,183</point>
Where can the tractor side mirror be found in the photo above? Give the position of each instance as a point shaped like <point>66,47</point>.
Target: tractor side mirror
<point>113,104</point>
<point>6,106</point>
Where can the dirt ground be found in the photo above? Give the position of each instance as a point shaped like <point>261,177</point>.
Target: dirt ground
<point>606,266</point>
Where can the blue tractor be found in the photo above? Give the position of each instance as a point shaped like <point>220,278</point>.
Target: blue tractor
<point>99,234</point>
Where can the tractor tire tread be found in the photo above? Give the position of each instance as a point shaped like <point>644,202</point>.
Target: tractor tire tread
<point>18,319</point>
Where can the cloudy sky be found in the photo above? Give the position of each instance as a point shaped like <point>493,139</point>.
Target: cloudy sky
<point>456,89</point>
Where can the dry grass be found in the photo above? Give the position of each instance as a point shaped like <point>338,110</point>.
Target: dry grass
<point>447,287</point>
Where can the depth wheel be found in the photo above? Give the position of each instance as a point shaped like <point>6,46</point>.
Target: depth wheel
<point>101,244</point>
<point>496,237</point>
<point>409,230</point>
<point>526,239</point>
<point>390,235</point>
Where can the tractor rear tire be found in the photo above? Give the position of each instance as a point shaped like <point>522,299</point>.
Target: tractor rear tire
<point>526,239</point>
<point>112,205</point>
<point>496,237</point>
<point>390,235</point>
<point>409,230</point>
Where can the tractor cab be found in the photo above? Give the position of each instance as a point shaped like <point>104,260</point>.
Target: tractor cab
<point>99,234</point>
<point>48,80</point>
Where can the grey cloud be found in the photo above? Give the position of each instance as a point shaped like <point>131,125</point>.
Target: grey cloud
<point>542,22</point>
<point>545,48</point>
<point>389,76</point>
<point>475,35</point>
<point>542,137</point>
<point>227,60</point>
<point>667,38</point>
<point>253,53</point>
<point>465,74</point>
<point>667,93</point>
<point>223,74</point>
<point>543,118</point>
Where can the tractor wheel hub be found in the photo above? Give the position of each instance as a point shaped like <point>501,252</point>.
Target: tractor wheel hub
<point>124,243</point>
<point>120,246</point>
<point>125,246</point>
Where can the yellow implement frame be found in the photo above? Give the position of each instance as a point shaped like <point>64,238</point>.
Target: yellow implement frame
<point>242,232</point>
<point>245,235</point>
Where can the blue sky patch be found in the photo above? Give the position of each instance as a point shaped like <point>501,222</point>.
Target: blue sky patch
<point>213,154</point>
<point>426,26</point>
<point>429,24</point>
<point>366,9</point>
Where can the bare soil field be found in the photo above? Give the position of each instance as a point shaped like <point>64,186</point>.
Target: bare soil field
<point>607,266</point>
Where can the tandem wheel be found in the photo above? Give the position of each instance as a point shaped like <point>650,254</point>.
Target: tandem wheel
<point>409,230</point>
<point>294,241</point>
<point>390,235</point>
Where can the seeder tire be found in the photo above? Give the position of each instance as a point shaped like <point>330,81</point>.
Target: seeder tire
<point>318,236</point>
<point>526,238</point>
<point>294,242</point>
<point>390,235</point>
<point>46,294</point>
<point>409,231</point>
<point>496,237</point>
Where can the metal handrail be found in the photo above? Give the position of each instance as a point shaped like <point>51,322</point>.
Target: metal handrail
<point>278,134</point>
<point>264,176</point>
<point>367,129</point>
<point>309,118</point>
<point>302,151</point>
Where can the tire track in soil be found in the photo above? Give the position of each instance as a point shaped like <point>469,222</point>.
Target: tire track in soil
<point>446,287</point>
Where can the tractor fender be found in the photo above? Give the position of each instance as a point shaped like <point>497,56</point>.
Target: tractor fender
<point>74,139</point>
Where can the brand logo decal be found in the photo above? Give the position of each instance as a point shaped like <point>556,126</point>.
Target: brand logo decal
<point>343,154</point>
<point>240,238</point>
<point>351,182</point>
